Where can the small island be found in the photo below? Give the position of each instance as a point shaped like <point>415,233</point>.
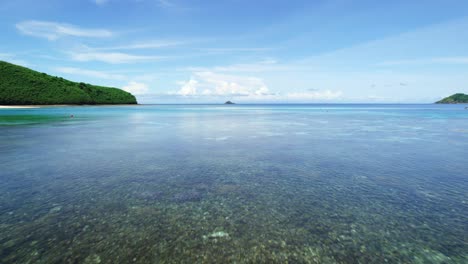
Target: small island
<point>458,98</point>
<point>229,102</point>
<point>23,86</point>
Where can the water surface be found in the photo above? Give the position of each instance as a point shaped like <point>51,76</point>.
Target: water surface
<point>237,183</point>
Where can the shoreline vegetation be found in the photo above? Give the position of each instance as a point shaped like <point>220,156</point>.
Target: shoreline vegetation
<point>458,98</point>
<point>23,86</point>
<point>60,105</point>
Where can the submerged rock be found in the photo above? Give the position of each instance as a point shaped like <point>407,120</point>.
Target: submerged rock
<point>218,234</point>
<point>55,209</point>
<point>96,259</point>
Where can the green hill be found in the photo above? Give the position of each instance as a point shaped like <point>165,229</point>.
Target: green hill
<point>458,98</point>
<point>23,86</point>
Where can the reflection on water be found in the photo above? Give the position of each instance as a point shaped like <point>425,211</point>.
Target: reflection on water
<point>271,184</point>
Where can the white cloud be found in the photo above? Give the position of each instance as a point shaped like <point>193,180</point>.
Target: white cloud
<point>155,44</point>
<point>111,57</point>
<point>212,85</point>
<point>136,88</point>
<point>209,83</point>
<point>53,30</point>
<point>188,88</point>
<point>90,73</point>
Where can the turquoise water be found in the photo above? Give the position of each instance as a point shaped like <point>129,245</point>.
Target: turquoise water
<point>242,183</point>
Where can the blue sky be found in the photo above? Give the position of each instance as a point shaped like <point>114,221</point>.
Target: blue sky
<point>180,51</point>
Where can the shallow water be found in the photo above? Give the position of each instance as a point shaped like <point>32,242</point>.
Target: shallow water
<point>243,183</point>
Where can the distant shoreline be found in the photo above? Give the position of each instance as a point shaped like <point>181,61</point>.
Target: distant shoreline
<point>215,104</point>
<point>65,105</point>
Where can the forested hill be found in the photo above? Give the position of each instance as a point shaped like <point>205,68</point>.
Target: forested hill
<point>458,98</point>
<point>23,86</point>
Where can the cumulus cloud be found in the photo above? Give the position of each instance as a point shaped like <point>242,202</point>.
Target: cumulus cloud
<point>53,30</point>
<point>136,88</point>
<point>209,84</point>
<point>214,84</point>
<point>188,88</point>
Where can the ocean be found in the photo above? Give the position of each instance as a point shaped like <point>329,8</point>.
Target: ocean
<point>234,183</point>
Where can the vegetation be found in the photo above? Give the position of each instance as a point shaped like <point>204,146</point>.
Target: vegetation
<point>23,86</point>
<point>458,98</point>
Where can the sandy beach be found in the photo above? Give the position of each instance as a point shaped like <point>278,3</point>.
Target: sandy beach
<point>17,106</point>
<point>41,106</point>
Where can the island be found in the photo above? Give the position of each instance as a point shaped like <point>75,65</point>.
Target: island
<point>458,98</point>
<point>229,102</point>
<point>23,86</point>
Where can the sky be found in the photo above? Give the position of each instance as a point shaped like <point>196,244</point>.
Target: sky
<point>262,51</point>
